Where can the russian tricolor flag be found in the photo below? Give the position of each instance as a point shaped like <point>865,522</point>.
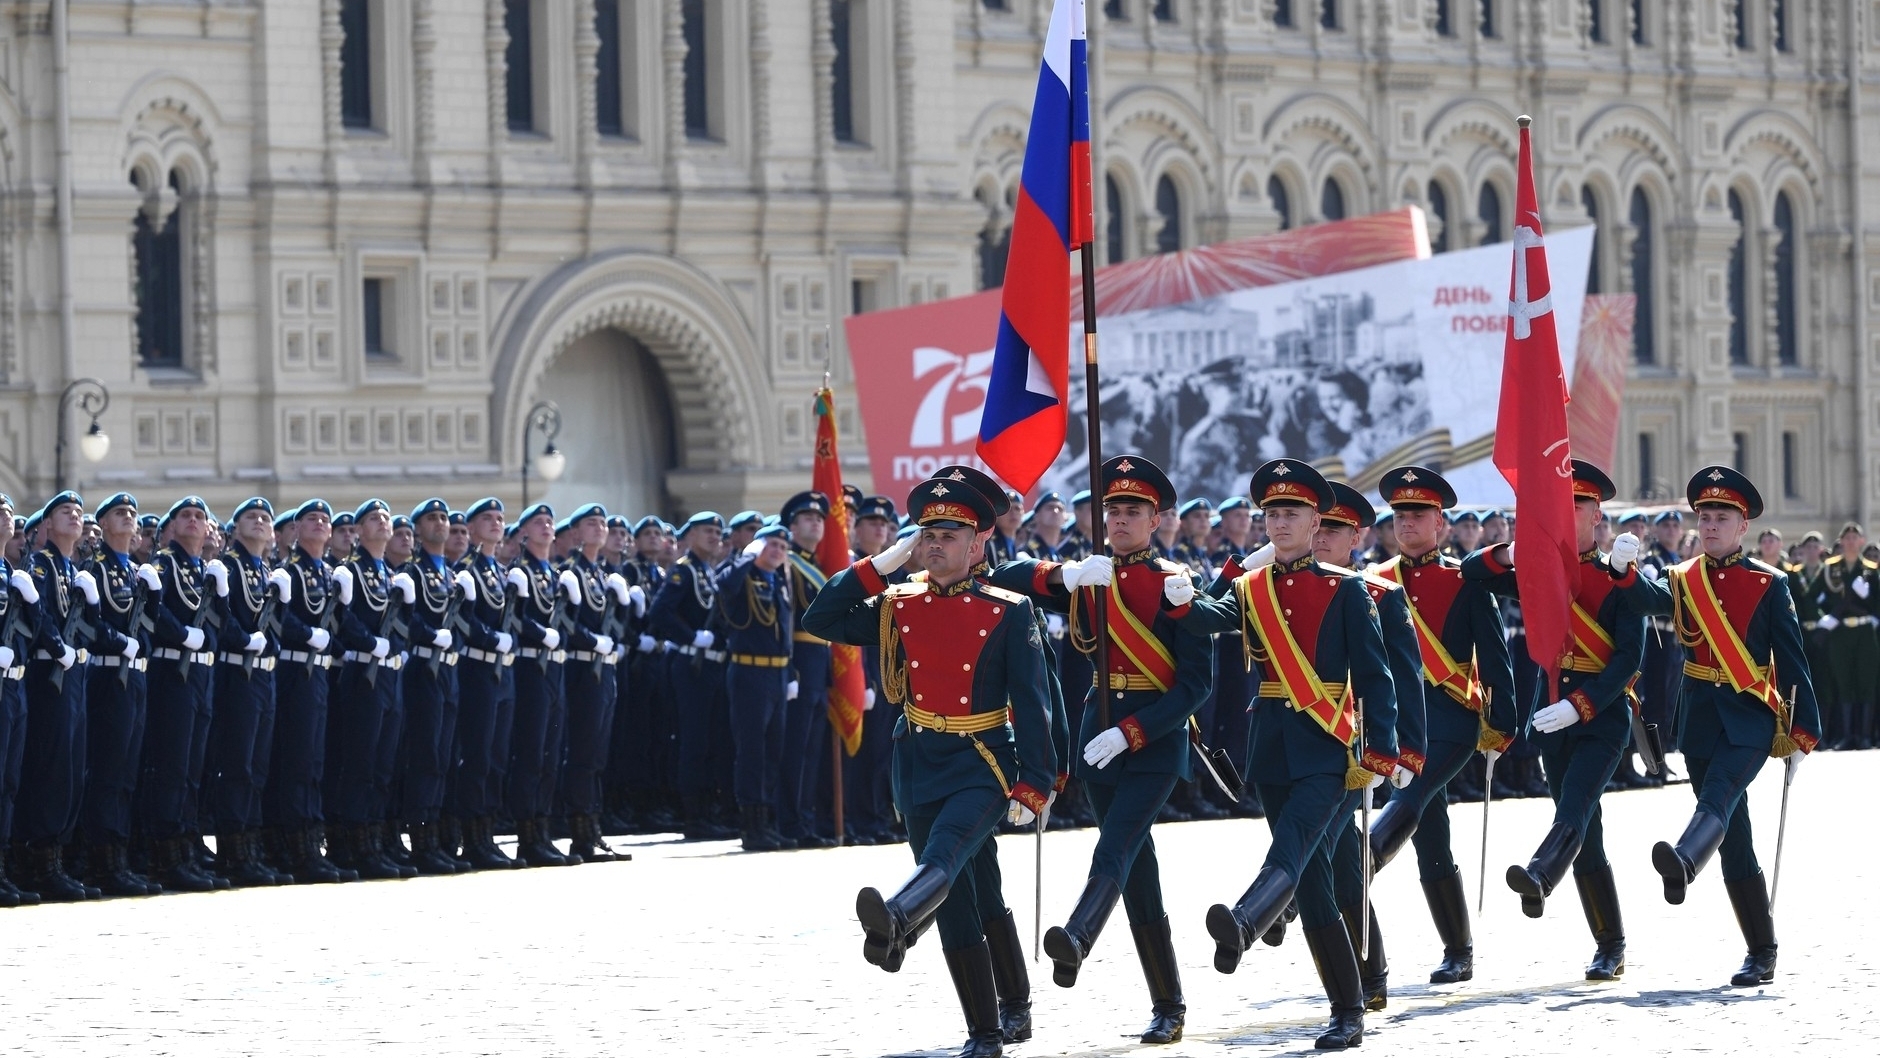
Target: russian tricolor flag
<point>1021,429</point>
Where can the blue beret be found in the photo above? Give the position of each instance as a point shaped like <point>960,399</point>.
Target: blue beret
<point>6,501</point>
<point>487,503</point>
<point>1668,515</point>
<point>773,531</point>
<point>457,518</point>
<point>701,518</point>
<point>185,504</point>
<point>805,503</point>
<point>536,510</point>
<point>116,500</point>
<point>1050,496</point>
<point>651,521</point>
<point>314,507</point>
<point>33,520</point>
<point>587,510</point>
<point>430,506</point>
<point>342,519</point>
<point>63,498</point>
<point>1235,503</point>
<point>744,518</point>
<point>371,506</point>
<point>148,521</point>
<point>1199,503</point>
<point>400,522</point>
<point>1081,496</point>
<point>252,503</point>
<point>618,521</point>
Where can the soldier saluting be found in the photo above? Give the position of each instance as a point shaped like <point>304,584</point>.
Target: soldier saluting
<point>965,663</point>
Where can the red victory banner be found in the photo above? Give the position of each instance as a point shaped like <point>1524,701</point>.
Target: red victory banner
<point>847,683</point>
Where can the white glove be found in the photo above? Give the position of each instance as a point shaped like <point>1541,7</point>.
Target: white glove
<point>704,639</point>
<point>87,585</point>
<point>216,571</point>
<point>381,646</point>
<point>520,581</point>
<point>6,657</point>
<point>151,578</point>
<point>1179,590</point>
<point>192,639</point>
<point>406,586</point>
<point>1106,747</point>
<point>868,699</point>
<point>23,584</point>
<point>67,658</point>
<point>648,644</point>
<point>283,585</point>
<point>343,578</point>
<point>895,557</point>
<point>1624,552</point>
<point>466,584</point>
<point>318,639</point>
<point>570,585</point>
<point>1055,625</point>
<point>618,585</point>
<point>603,645</point>
<point>1556,717</point>
<point>1375,781</point>
<point>751,551</point>
<point>257,642</point>
<point>1511,554</point>
<point>637,595</point>
<point>1262,556</point>
<point>1861,588</point>
<point>1401,777</point>
<point>1791,764</point>
<point>1088,572</point>
<point>790,691</point>
<point>551,639</point>
<point>441,639</point>
<point>505,643</point>
<point>1018,815</point>
<point>1829,622</point>
<point>131,648</point>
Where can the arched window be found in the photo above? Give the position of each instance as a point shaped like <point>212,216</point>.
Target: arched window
<point>1283,14</point>
<point>1445,27</point>
<point>1786,348</point>
<point>1332,200</point>
<point>1113,220</point>
<point>1780,12</point>
<point>1596,21</point>
<point>1644,329</point>
<point>1741,7</point>
<point>1439,208</point>
<point>1739,283</point>
<point>696,70</point>
<point>1281,202</point>
<point>1328,14</point>
<point>1595,282</point>
<point>157,243</point>
<point>1168,206</point>
<point>1488,211</point>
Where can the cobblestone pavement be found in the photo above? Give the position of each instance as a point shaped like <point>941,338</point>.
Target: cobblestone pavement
<point>701,950</point>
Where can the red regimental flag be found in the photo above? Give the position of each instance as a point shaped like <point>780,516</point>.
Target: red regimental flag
<point>1531,447</point>
<point>847,683</point>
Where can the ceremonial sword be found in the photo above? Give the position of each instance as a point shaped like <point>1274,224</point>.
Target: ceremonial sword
<point>1488,794</point>
<point>1782,826</point>
<point>1364,846</point>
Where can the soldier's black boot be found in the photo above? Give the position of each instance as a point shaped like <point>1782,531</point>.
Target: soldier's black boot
<point>1600,900</point>
<point>388,839</point>
<point>979,1001</point>
<point>1391,829</point>
<point>1010,978</point>
<point>1338,969</point>
<point>699,825</point>
<point>427,855</point>
<point>545,827</point>
<point>588,842</point>
<point>450,842</point>
<point>533,848</point>
<point>239,862</point>
<point>1679,865</point>
<point>111,872</point>
<point>757,836</point>
<point>1449,909</point>
<point>46,867</point>
<point>888,925</point>
<point>1373,968</point>
<point>12,895</point>
<point>1234,929</point>
<point>176,867</point>
<point>1750,898</point>
<point>1546,870</point>
<point>1069,945</point>
<point>479,847</point>
<point>1155,949</point>
<point>363,854</point>
<point>305,861</point>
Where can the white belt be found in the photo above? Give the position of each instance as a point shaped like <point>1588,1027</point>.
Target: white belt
<point>395,662</point>
<point>536,654</point>
<point>701,652</point>
<point>205,657</point>
<point>488,657</point>
<point>17,672</point>
<point>449,656</point>
<point>590,655</point>
<point>112,661</point>
<point>301,657</point>
<point>260,664</point>
<point>46,655</point>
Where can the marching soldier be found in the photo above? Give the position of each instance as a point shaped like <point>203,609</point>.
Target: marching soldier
<point>115,705</point>
<point>541,711</point>
<point>486,684</point>
<point>1853,660</point>
<point>1735,619</point>
<point>755,605</point>
<point>1468,696</point>
<point>1158,678</point>
<point>1305,728</point>
<point>806,725</point>
<point>1582,735</point>
<point>681,615</point>
<point>430,690</point>
<point>965,663</point>
<point>588,680</point>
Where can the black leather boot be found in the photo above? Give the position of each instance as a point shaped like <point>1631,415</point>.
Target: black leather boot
<point>887,924</point>
<point>1338,969</point>
<point>971,969</point>
<point>699,825</point>
<point>533,848</point>
<point>175,863</point>
<point>388,839</point>
<point>757,836</point>
<point>1449,909</point>
<point>1069,945</point>
<point>236,857</point>
<point>1750,899</point>
<point>1155,949</point>
<point>1234,929</point>
<point>1391,829</point>
<point>479,847</point>
<point>108,870</point>
<point>12,895</point>
<point>450,842</point>
<point>1679,865</point>
<point>585,839</point>
<point>360,844</point>
<point>1546,870</point>
<point>46,867</point>
<point>306,862</point>
<point>427,854</point>
<point>1599,898</point>
<point>1373,968</point>
<point>1275,934</point>
<point>1010,977</point>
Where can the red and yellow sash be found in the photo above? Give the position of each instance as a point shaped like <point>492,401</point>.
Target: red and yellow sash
<point>1438,667</point>
<point>1591,642</point>
<point>1691,583</point>
<point>1259,600</point>
<point>1139,643</point>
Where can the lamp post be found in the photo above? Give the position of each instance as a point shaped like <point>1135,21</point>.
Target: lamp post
<point>92,398</point>
<point>544,418</point>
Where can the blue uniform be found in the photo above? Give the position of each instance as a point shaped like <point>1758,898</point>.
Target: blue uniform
<point>430,692</point>
<point>541,712</point>
<point>176,732</point>
<point>757,611</point>
<point>115,705</point>
<point>241,735</point>
<point>487,688</point>
<point>301,682</point>
<point>801,750</point>
<point>589,688</point>
<point>364,714</point>
<point>52,778</point>
<point>17,618</point>
<point>681,609</point>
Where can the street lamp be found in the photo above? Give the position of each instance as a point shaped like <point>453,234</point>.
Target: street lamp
<point>545,419</point>
<point>92,398</point>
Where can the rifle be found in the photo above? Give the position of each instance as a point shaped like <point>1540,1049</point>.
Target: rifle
<point>451,622</point>
<point>267,622</point>
<point>329,623</point>
<point>139,622</point>
<point>390,623</point>
<point>18,613</point>
<point>613,626</point>
<point>75,626</point>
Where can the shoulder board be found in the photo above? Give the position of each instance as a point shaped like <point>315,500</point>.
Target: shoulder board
<point>1364,575</point>
<point>1001,594</point>
<point>1832,560</point>
<point>905,589</point>
<point>1760,566</point>
<point>1869,563</point>
<point>1166,566</point>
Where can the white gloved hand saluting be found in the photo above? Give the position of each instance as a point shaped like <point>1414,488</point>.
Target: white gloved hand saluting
<point>466,584</point>
<point>24,586</point>
<point>1262,556</point>
<point>217,572</point>
<point>1401,776</point>
<point>406,586</point>
<point>192,639</point>
<point>283,584</point>
<point>343,581</point>
<point>1625,548</point>
<point>1089,572</point>
<point>1106,747</point>
<point>1179,590</point>
<point>704,639</point>
<point>751,551</point>
<point>519,581</point>
<point>570,585</point>
<point>87,585</point>
<point>895,557</point>
<point>1556,717</point>
<point>150,576</point>
<point>257,642</point>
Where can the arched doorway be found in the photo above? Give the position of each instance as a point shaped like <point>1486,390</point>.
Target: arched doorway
<point>617,427</point>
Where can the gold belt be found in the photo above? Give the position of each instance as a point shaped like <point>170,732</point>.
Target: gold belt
<point>970,724</point>
<point>1588,666</point>
<point>1714,675</point>
<point>1127,682</point>
<point>805,637</point>
<point>761,661</point>
<point>1275,689</point>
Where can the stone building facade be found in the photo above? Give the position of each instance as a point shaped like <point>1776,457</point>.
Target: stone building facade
<point>341,247</point>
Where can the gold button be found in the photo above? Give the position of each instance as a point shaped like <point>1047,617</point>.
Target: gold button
<point>1288,613</point>
<point>968,667</point>
<point>964,700</point>
<point>982,633</point>
<point>898,605</point>
<point>996,610</point>
<point>919,697</point>
<point>1289,582</point>
<point>913,664</point>
<point>905,629</point>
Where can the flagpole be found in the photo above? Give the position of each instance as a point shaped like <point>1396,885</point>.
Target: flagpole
<point>1093,448</point>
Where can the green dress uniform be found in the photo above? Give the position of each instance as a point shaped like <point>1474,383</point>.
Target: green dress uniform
<point>1853,660</point>
<point>1813,601</point>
